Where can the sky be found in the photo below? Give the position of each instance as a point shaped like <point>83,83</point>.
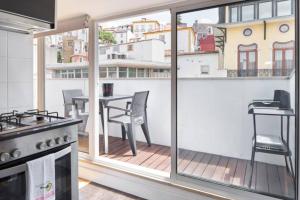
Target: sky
<point>204,16</point>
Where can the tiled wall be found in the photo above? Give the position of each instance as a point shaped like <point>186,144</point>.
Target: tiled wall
<point>16,71</point>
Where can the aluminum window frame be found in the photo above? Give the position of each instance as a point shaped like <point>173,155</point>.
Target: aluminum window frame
<point>230,192</point>
<point>272,9</point>
<point>254,4</point>
<point>292,7</point>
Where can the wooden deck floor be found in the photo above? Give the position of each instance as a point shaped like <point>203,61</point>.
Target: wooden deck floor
<point>267,178</point>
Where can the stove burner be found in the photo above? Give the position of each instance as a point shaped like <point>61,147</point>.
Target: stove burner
<point>15,119</point>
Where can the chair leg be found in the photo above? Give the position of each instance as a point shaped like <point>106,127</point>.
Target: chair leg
<point>123,132</point>
<point>146,131</point>
<point>286,164</point>
<point>101,115</point>
<point>252,166</point>
<point>291,167</point>
<point>131,138</point>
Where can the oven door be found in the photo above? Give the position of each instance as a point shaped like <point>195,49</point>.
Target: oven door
<point>13,176</point>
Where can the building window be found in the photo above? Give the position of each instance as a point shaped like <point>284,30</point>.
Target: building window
<point>132,72</point>
<point>85,73</point>
<point>122,72</point>
<point>248,12</point>
<point>103,72</point>
<point>234,14</point>
<point>284,8</point>
<point>70,43</point>
<point>147,73</point>
<point>71,73</point>
<point>64,74</point>
<point>265,10</point>
<point>247,60</point>
<point>112,72</point>
<point>204,69</point>
<point>130,47</point>
<point>283,58</point>
<point>140,73</point>
<point>102,50</point>
<point>77,73</point>
<point>142,28</point>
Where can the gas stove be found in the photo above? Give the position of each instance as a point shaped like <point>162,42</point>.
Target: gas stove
<point>33,134</point>
<point>15,121</point>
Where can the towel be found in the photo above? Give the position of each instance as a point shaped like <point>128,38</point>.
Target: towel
<point>41,178</point>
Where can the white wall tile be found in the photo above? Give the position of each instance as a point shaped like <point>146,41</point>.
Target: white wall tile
<point>3,43</point>
<point>20,94</point>
<point>3,69</point>
<point>19,45</point>
<point>3,96</point>
<point>19,70</point>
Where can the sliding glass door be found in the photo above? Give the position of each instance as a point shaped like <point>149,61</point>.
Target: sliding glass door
<point>235,117</point>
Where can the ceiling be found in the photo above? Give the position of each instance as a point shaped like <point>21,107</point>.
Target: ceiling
<point>103,8</point>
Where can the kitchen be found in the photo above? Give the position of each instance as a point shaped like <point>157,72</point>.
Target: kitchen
<point>41,140</point>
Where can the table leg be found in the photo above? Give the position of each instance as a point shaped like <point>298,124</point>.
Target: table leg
<point>105,125</point>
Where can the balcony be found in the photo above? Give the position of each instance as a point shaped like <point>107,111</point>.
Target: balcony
<point>214,141</point>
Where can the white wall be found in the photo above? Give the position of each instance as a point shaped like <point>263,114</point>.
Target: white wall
<point>189,65</point>
<point>16,71</point>
<point>212,116</point>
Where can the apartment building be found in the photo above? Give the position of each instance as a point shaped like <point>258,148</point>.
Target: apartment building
<point>259,38</point>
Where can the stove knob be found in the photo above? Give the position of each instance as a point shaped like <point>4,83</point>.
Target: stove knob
<point>59,140</point>
<point>16,153</point>
<point>4,157</point>
<point>41,146</point>
<point>50,143</point>
<point>67,138</point>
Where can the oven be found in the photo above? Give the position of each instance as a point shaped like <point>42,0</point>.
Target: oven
<point>13,171</point>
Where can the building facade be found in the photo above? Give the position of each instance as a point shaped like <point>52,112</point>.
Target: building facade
<point>259,38</point>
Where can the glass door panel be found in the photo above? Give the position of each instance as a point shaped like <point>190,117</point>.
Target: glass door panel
<point>220,136</point>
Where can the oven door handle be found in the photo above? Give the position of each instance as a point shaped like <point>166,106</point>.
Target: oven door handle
<point>22,168</point>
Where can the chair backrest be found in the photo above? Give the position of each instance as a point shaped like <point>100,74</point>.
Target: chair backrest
<point>139,104</point>
<point>68,95</point>
<point>283,97</point>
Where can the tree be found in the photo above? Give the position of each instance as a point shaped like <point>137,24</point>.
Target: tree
<point>107,37</point>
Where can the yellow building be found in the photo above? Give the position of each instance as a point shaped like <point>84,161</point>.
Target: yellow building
<point>259,44</point>
<point>185,35</point>
<point>144,25</point>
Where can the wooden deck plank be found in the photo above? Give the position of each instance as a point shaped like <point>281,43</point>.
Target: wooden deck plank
<point>211,167</point>
<point>273,180</point>
<point>193,164</point>
<point>186,160</point>
<point>154,157</point>
<point>286,182</point>
<point>160,160</point>
<point>240,172</point>
<point>146,154</point>
<point>230,171</point>
<point>267,178</point>
<point>261,177</point>
<point>220,169</point>
<point>202,165</point>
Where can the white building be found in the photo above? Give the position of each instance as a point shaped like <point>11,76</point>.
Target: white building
<point>199,64</point>
<point>122,34</point>
<point>186,38</point>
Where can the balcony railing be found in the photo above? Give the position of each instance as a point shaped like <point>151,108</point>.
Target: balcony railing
<point>260,72</point>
